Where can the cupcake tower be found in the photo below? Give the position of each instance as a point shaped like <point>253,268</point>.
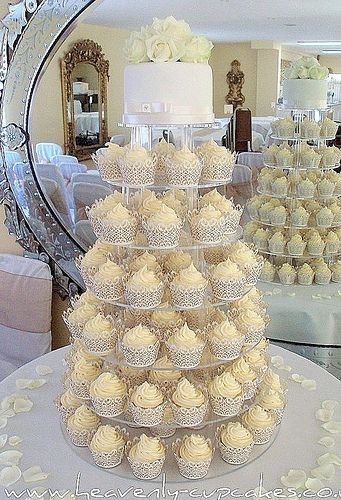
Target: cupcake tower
<point>168,356</point>
<point>296,216</point>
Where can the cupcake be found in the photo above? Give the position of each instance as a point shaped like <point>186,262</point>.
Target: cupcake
<point>287,274</point>
<point>265,183</point>
<point>119,226</point>
<point>79,352</point>
<point>254,205</point>
<point>269,155</point>
<point>226,395</point>
<point>76,319</point>
<point>315,245</point>
<point>322,274</point>
<point>162,151</point>
<point>272,381</point>
<point>107,161</point>
<point>273,402</point>
<point>133,376</point>
<point>144,289</point>
<point>67,403</point>
<point>306,188</point>
<point>145,259</point>
<point>299,217</point>
<point>225,341</point>
<point>284,158</point>
<point>217,162</point>
<point>328,128</point>
<point>249,231</point>
<point>163,373</point>
<point>207,225</point>
<point>246,376</point>
<point>332,243</point>
<point>167,427</point>
<point>107,446</point>
<point>277,243</point>
<point>147,404</point>
<point>87,298</point>
<point>256,357</point>
<point>280,187</point>
<point>108,395</point>
<point>235,443</point>
<point>305,274</point>
<point>260,423</point>
<point>325,188</point>
<point>140,346</point>
<point>146,456</point>
<point>193,455</point>
<point>283,128</point>
<point>264,212</point>
<point>99,334</point>
<point>296,245</point>
<point>176,261</point>
<point>185,347</point>
<point>89,264</point>
<point>251,324</point>
<point>268,272</point>
<point>83,373</point>
<point>227,281</point>
<point>189,404</point>
<point>260,239</point>
<point>336,271</point>
<point>162,229</point>
<point>166,319</point>
<point>82,426</point>
<point>148,203</point>
<point>188,288</point>
<point>137,166</point>
<point>309,159</point>
<point>278,216</point>
<point>242,255</point>
<point>324,217</point>
<point>170,199</point>
<point>183,168</point>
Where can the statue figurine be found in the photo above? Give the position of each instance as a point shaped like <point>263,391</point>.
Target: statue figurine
<point>235,80</point>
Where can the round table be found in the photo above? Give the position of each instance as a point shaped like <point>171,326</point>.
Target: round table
<point>43,443</point>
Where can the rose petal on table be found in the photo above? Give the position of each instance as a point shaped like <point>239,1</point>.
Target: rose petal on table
<point>43,370</point>
<point>287,368</point>
<point>332,426</point>
<point>3,422</point>
<point>295,478</point>
<point>7,413</point>
<point>27,383</point>
<point>330,404</point>
<point>3,440</point>
<point>10,457</point>
<point>326,471</point>
<point>297,378</point>
<point>8,401</point>
<point>9,475</point>
<point>277,291</point>
<point>14,440</point>
<point>22,405</point>
<point>291,294</point>
<point>277,361</point>
<point>324,415</point>
<point>309,384</point>
<point>34,474</point>
<point>329,458</point>
<point>314,484</point>
<point>327,441</point>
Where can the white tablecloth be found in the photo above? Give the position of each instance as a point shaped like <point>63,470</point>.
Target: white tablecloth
<point>295,447</point>
<point>87,122</point>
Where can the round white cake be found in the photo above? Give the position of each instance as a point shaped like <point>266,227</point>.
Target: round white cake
<point>172,93</point>
<point>305,94</point>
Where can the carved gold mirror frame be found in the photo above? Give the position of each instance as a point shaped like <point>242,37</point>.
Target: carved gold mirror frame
<point>88,52</point>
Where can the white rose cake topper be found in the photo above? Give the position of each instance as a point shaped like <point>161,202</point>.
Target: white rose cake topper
<point>306,84</point>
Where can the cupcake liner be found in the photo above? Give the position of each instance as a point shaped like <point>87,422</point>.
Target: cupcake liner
<point>336,277</point>
<point>190,470</point>
<point>262,436</point>
<point>232,220</point>
<point>184,173</point>
<point>206,231</point>
<point>66,379</point>
<point>326,191</point>
<point>108,459</point>
<point>187,297</point>
<point>250,388</point>
<point>107,290</point>
<point>101,345</point>
<point>162,236</point>
<point>143,470</point>
<point>139,173</point>
<point>287,279</point>
<point>81,438</point>
<point>305,192</point>
<point>228,289</point>
<point>322,280</point>
<point>323,221</point>
<point>296,249</point>
<point>253,272</point>
<point>315,249</point>
<point>141,297</point>
<point>117,234</point>
<point>306,279</point>
<point>147,417</point>
<point>64,412</point>
<point>217,170</point>
<point>332,248</point>
<point>278,413</point>
<point>231,455</point>
<point>226,350</point>
<point>109,407</point>
<point>108,168</point>
<point>76,329</point>
<point>140,357</point>
<point>185,358</point>
<point>163,431</point>
<point>189,417</point>
<point>87,273</point>
<point>226,407</point>
<point>278,219</point>
<point>277,248</point>
<point>81,389</point>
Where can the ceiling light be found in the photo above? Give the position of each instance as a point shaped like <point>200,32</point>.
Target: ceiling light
<point>331,51</point>
<point>320,42</point>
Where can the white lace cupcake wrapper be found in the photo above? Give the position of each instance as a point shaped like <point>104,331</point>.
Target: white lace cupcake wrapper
<point>189,417</point>
<point>185,358</point>
<point>183,174</point>
<point>277,413</point>
<point>109,407</point>
<point>305,279</point>
<point>228,290</point>
<point>217,171</point>
<point>162,236</point>
<point>107,290</point>
<point>234,456</point>
<point>163,431</point>
<point>294,249</point>
<point>64,413</point>
<point>81,389</point>
<point>140,358</point>
<point>81,438</point>
<point>324,221</point>
<point>277,248</point>
<point>139,173</point>
<point>332,247</point>
<point>146,470</point>
<point>87,273</point>
<point>226,350</point>
<point>187,298</point>
<point>262,436</point>
<point>100,345</point>
<point>207,233</point>
<point>226,407</point>
<point>108,459</point>
<point>190,470</point>
<point>147,417</point>
<point>287,279</point>
<point>123,234</point>
<point>250,389</point>
<point>109,169</point>
<point>144,297</point>
<point>76,329</point>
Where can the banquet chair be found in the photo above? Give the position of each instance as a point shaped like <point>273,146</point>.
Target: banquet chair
<point>45,151</point>
<point>25,312</point>
<point>58,159</point>
<point>85,194</point>
<point>69,169</point>
<point>89,178</point>
<point>119,139</point>
<point>12,157</point>
<point>240,188</point>
<point>53,172</point>
<point>84,232</point>
<point>59,201</point>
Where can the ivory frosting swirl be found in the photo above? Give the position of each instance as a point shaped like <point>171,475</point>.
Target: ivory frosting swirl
<point>147,450</point>
<point>225,331</point>
<point>99,325</point>
<point>178,260</point>
<point>144,277</point>
<point>81,353</point>
<point>147,395</point>
<point>190,277</point>
<point>164,148</point>
<point>150,204</point>
<point>242,371</point>
<point>83,419</point>
<point>225,386</point>
<point>87,298</point>
<point>235,435</point>
<point>138,337</point>
<point>69,400</point>
<point>227,270</point>
<point>83,314</point>
<point>272,380</point>
<point>85,371</point>
<point>165,215</point>
<point>167,317</point>
<point>212,197</point>
<point>248,318</point>
<point>241,255</point>
<point>146,259</point>
<point>272,400</point>
<point>109,271</point>
<point>108,385</point>
<point>164,372</point>
<point>184,155</point>
<point>184,337</point>
<point>258,418</point>
<point>209,212</point>
<point>136,154</point>
<point>186,395</point>
<point>94,258</point>
<point>195,448</point>
<point>119,214</point>
<point>107,439</point>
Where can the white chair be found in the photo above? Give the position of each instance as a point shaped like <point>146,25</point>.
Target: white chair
<point>68,169</point>
<point>12,157</point>
<point>53,172</point>
<point>25,312</point>
<point>58,159</point>
<point>59,201</point>
<point>119,139</point>
<point>90,177</point>
<point>46,151</point>
<point>84,232</point>
<point>85,194</point>
<point>251,159</point>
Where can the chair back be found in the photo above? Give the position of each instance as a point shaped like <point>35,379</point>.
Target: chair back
<point>59,201</point>
<point>46,151</point>
<point>85,194</point>
<point>58,159</point>
<point>242,129</point>
<point>53,172</point>
<point>119,139</point>
<point>240,189</point>
<point>84,232</point>
<point>12,157</point>
<point>68,169</point>
<point>88,178</point>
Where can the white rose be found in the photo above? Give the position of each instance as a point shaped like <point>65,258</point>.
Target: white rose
<point>308,61</point>
<point>302,73</point>
<point>135,49</point>
<point>198,50</point>
<point>161,48</point>
<point>318,72</point>
<point>170,27</point>
<point>292,73</point>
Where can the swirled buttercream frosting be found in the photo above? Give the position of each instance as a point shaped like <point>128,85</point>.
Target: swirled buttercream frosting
<point>242,371</point>
<point>227,270</point>
<point>225,331</point>
<point>144,277</point>
<point>190,277</point>
<point>258,418</point>
<point>167,317</point>
<point>83,314</point>
<point>138,337</point>
<point>225,386</point>
<point>85,371</point>
<point>146,259</point>
<point>109,271</point>
<point>186,395</point>
<point>69,400</point>
<point>99,325</point>
<point>178,260</point>
<point>235,435</point>
<point>107,439</point>
<point>119,214</point>
<point>147,395</point>
<point>94,258</point>
<point>108,385</point>
<point>83,419</point>
<point>165,371</point>
<point>272,380</point>
<point>185,338</point>
<point>147,450</point>
<point>165,216</point>
<point>195,448</point>
<point>272,400</point>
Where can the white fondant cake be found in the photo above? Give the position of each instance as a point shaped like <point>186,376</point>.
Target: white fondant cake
<point>305,94</point>
<point>172,93</point>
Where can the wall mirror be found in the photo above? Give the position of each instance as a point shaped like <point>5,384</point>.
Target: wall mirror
<point>84,77</point>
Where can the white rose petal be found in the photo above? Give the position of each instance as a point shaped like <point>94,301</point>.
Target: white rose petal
<point>314,484</point>
<point>9,476</point>
<point>197,50</point>
<point>3,422</point>
<point>8,401</point>
<point>329,458</point>
<point>160,48</point>
<point>330,404</point>
<point>324,415</point>
<point>14,440</point>
<point>7,413</point>
<point>23,405</point>
<point>10,457</point>
<point>43,370</point>
<point>296,478</point>
<point>3,440</point>
<point>277,361</point>
<point>287,368</point>
<point>326,471</point>
<point>26,383</point>
<point>135,49</point>
<point>297,378</point>
<point>34,474</point>
<point>277,291</point>
<point>172,28</point>
<point>332,426</point>
<point>291,294</point>
<point>309,385</point>
<point>327,441</point>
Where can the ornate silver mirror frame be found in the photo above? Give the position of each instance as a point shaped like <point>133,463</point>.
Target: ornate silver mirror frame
<point>30,34</point>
